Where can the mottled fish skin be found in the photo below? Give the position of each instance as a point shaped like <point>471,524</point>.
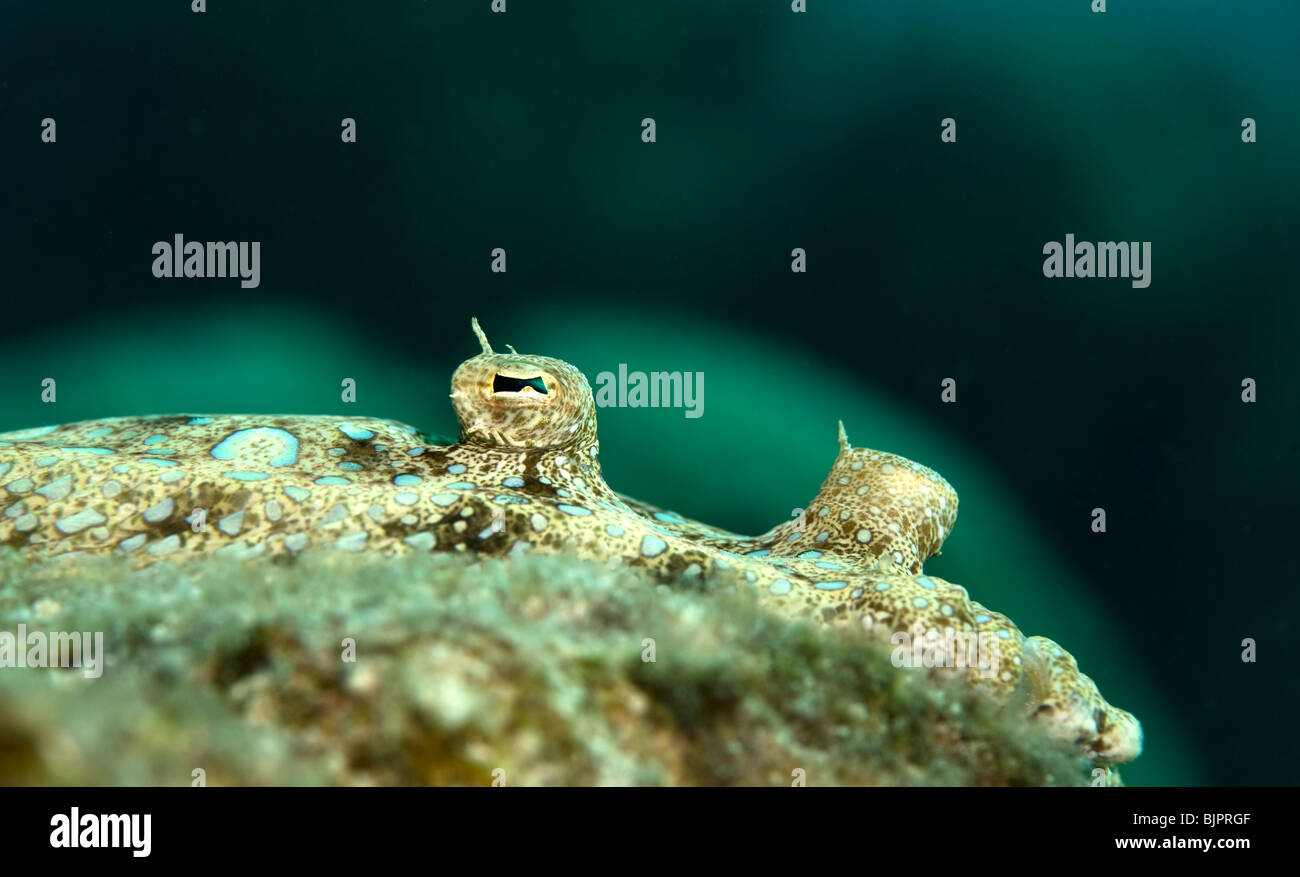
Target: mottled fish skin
<point>525,476</point>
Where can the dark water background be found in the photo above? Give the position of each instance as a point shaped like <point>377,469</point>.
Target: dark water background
<point>775,131</point>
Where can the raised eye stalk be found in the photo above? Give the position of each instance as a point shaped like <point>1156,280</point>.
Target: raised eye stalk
<point>482,338</point>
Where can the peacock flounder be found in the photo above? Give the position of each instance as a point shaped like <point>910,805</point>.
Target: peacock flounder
<point>525,476</point>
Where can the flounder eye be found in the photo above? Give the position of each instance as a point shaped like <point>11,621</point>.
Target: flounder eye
<point>506,384</point>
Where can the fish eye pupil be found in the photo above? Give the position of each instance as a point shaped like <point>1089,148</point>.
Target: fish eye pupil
<point>506,384</point>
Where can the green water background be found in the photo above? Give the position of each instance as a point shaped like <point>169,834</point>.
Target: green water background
<point>774,131</point>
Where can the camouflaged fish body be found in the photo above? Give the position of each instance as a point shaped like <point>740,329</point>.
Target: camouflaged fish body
<point>525,476</point>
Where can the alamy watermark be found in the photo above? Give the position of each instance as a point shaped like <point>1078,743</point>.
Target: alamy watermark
<point>653,390</point>
<point>179,258</point>
<point>56,649</point>
<point>951,648</point>
<point>1102,259</point>
<point>75,830</point>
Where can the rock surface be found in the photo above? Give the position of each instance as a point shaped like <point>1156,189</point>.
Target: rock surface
<point>527,671</point>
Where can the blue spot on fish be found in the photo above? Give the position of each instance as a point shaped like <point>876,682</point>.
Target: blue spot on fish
<point>352,542</point>
<point>133,542</point>
<point>238,443</point>
<point>653,546</point>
